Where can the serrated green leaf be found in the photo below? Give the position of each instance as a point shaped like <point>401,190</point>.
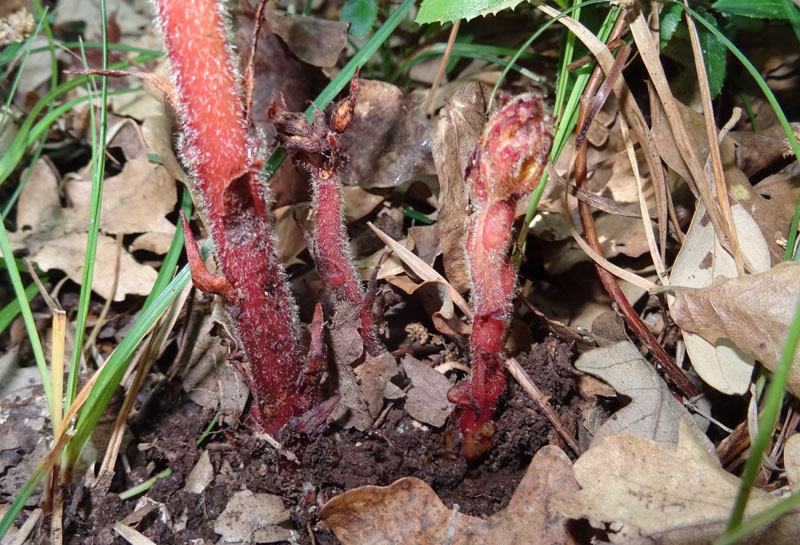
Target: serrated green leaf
<point>361,15</point>
<point>762,9</point>
<point>444,11</point>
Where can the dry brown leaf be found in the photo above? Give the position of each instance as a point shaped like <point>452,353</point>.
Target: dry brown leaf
<point>253,518</point>
<point>752,311</point>
<point>134,201</point>
<point>157,243</point>
<point>373,376</point>
<point>755,151</point>
<point>655,494</point>
<point>426,401</point>
<point>67,254</point>
<point>408,512</point>
<point>653,412</point>
<point>201,475</point>
<point>791,460</point>
<point>210,380</point>
<point>358,203</point>
<point>278,74</point>
<point>289,224</point>
<point>700,261</point>
<point>315,41</point>
<point>771,212</point>
<point>426,242</point>
<point>39,212</point>
<point>460,124</point>
<point>422,269</point>
<point>389,140</point>
<point>435,297</point>
<point>352,410</point>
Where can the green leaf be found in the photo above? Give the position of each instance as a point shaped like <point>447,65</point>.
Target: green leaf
<point>361,15</point>
<point>671,17</point>
<point>763,9</point>
<point>443,11</point>
<point>715,56</point>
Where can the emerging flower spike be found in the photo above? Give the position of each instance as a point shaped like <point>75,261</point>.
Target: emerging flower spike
<point>222,154</point>
<point>329,246</point>
<point>507,163</point>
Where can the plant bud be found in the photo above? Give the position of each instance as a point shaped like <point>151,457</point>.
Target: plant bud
<point>511,155</point>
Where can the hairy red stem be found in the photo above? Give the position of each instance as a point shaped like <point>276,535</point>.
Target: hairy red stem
<point>222,154</point>
<point>330,246</point>
<point>506,164</point>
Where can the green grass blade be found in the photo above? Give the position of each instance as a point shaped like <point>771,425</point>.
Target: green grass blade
<point>21,142</point>
<point>25,309</point>
<point>117,363</point>
<point>793,16</point>
<point>519,53</point>
<point>471,52</point>
<point>165,274</point>
<point>152,53</point>
<point>759,520</point>
<point>98,177</point>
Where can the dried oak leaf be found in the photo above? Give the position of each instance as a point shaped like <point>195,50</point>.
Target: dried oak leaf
<point>771,214</point>
<point>373,376</point>
<point>702,259</point>
<point>67,254</point>
<point>653,412</point>
<point>408,512</point>
<point>752,311</point>
<point>389,140</point>
<point>254,518</point>
<point>651,493</point>
<point>352,410</point>
<point>134,201</point>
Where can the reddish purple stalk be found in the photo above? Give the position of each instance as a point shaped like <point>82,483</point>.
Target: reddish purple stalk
<point>222,154</point>
<point>329,246</point>
<point>507,163</point>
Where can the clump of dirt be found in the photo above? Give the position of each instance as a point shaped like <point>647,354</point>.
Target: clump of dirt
<point>328,464</point>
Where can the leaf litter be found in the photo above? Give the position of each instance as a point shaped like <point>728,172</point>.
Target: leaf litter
<point>644,452</point>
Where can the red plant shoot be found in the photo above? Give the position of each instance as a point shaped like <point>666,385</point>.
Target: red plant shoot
<point>329,246</point>
<point>222,153</point>
<point>506,165</point>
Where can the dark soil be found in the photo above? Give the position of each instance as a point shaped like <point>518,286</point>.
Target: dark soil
<point>331,462</point>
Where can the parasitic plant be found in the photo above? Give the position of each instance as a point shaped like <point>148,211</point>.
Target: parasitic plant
<point>329,245</point>
<point>223,155</point>
<point>507,162</point>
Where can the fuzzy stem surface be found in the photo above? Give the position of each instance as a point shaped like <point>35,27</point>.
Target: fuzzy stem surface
<point>222,154</point>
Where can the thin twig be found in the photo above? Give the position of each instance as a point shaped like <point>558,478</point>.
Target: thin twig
<point>451,40</point>
<point>529,386</point>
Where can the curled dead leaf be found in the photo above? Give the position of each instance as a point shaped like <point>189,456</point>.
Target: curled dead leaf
<point>408,512</point>
<point>752,311</point>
